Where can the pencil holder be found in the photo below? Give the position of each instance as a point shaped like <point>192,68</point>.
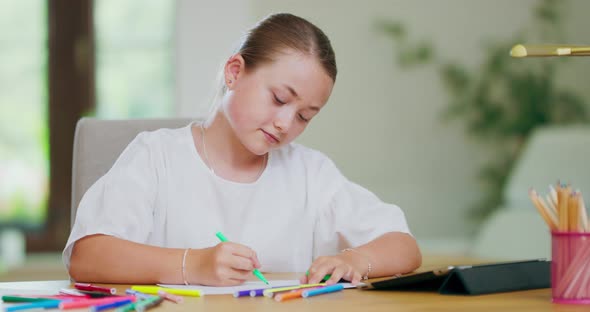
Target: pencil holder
<point>570,267</point>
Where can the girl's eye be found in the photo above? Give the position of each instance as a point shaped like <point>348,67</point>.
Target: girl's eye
<point>303,118</point>
<point>278,100</point>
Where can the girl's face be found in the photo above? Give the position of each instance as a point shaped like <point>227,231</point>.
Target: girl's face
<point>271,105</point>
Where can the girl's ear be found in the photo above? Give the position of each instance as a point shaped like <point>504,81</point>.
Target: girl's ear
<point>234,69</point>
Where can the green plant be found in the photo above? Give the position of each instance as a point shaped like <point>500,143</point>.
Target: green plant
<point>503,100</point>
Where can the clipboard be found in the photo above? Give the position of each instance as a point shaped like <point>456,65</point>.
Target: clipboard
<point>472,279</point>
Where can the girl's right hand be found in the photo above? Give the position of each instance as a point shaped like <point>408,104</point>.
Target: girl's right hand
<point>226,264</point>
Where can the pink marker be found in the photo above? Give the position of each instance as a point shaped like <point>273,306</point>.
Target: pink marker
<point>90,287</point>
<point>170,297</point>
<point>84,303</point>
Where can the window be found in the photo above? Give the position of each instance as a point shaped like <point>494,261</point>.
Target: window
<point>129,45</point>
<point>24,151</point>
<point>134,58</point>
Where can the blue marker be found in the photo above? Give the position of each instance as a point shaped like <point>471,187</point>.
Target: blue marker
<point>109,305</point>
<point>47,304</point>
<point>323,290</point>
<point>139,295</point>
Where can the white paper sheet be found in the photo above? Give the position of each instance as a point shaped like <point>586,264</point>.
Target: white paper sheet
<point>33,288</point>
<point>249,285</point>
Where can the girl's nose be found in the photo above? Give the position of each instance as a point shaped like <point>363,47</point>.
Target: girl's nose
<point>284,119</point>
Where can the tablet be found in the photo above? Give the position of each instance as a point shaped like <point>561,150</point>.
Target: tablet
<point>433,279</point>
<point>428,280</point>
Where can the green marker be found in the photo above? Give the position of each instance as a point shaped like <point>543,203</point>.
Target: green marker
<point>255,272</point>
<point>24,299</point>
<point>327,277</point>
<point>128,307</point>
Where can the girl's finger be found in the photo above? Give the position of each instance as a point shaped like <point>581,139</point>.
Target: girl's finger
<point>317,273</point>
<point>233,282</point>
<point>356,278</point>
<point>241,263</point>
<point>348,275</point>
<point>246,252</point>
<point>243,251</point>
<point>256,261</point>
<point>240,274</point>
<point>303,279</point>
<point>337,274</point>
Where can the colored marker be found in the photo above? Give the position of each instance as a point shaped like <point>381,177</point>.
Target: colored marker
<point>23,299</point>
<point>73,292</point>
<point>270,292</point>
<point>257,292</point>
<point>255,271</point>
<point>47,304</point>
<point>90,287</point>
<point>138,294</point>
<point>131,306</point>
<point>110,305</point>
<point>175,291</point>
<point>326,277</point>
<point>148,303</point>
<point>322,290</point>
<point>84,303</point>
<point>292,294</point>
<point>170,297</point>
<point>127,308</point>
<point>242,293</point>
<point>95,294</point>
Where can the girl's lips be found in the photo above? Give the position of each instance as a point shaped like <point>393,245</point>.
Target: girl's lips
<point>270,138</point>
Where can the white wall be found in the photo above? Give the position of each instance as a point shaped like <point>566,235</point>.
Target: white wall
<point>382,125</point>
<point>207,33</point>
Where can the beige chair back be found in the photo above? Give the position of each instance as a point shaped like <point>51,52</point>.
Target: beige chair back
<point>97,145</point>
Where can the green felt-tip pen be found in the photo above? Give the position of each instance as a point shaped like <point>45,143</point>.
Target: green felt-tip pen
<point>327,277</point>
<point>24,299</point>
<point>255,272</point>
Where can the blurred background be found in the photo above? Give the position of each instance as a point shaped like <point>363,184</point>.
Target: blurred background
<point>429,111</point>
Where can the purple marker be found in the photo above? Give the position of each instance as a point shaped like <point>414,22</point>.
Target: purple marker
<point>242,293</point>
<point>257,292</point>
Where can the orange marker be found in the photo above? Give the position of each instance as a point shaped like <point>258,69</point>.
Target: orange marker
<point>292,294</point>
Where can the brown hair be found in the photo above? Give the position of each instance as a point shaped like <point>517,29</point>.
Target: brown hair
<point>275,34</point>
<point>283,31</point>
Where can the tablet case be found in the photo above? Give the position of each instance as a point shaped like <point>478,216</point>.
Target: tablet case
<point>477,279</point>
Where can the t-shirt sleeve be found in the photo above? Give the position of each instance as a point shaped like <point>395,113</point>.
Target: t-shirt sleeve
<point>351,215</point>
<point>121,202</point>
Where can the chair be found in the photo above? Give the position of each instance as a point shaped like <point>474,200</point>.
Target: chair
<point>98,144</point>
<point>516,231</point>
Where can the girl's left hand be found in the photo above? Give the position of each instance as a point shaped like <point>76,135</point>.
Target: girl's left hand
<point>345,265</point>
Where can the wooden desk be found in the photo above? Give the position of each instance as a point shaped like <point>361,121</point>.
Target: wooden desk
<point>353,299</point>
<point>348,300</point>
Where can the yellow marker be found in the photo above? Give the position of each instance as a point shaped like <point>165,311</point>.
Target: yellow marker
<point>270,292</point>
<point>153,290</point>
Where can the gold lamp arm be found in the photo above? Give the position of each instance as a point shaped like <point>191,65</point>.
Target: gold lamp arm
<point>521,50</point>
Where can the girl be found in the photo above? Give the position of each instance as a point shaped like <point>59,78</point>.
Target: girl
<point>153,217</point>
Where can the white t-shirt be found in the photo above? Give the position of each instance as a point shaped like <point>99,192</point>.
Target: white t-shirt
<point>159,192</point>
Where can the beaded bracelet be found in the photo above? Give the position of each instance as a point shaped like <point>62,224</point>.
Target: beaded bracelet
<point>184,266</point>
<point>369,267</point>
